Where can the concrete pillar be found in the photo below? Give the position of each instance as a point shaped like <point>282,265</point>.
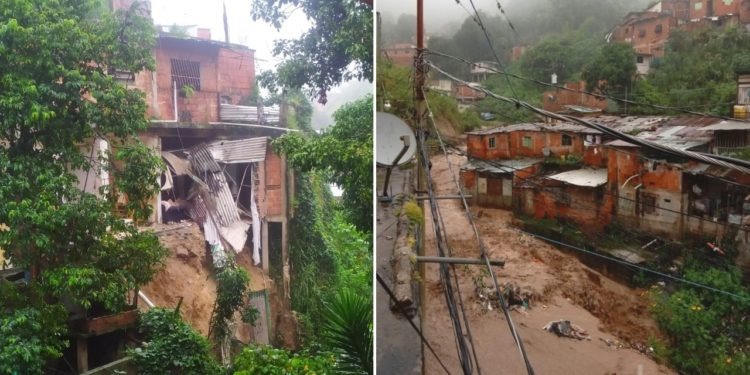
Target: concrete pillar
<point>82,355</point>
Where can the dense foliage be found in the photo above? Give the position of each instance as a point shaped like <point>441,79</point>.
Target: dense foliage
<point>698,71</point>
<point>172,346</point>
<point>343,152</point>
<point>231,287</point>
<point>337,48</point>
<point>266,360</point>
<point>708,331</point>
<point>55,99</point>
<point>612,70</point>
<point>348,329</point>
<point>394,88</point>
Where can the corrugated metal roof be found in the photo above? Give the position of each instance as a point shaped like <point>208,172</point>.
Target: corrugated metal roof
<point>499,166</point>
<point>249,150</point>
<point>582,177</point>
<point>728,125</point>
<point>201,160</point>
<point>538,127</point>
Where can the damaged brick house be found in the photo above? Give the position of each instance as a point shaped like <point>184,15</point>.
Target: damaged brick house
<point>601,181</point>
<point>214,138</point>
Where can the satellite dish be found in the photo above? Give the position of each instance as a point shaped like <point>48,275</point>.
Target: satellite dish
<point>389,143</point>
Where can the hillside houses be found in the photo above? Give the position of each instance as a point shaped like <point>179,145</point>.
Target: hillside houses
<point>648,31</point>
<point>570,173</point>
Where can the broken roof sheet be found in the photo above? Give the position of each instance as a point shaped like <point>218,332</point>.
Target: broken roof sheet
<point>178,165</point>
<point>499,166</point>
<point>249,150</point>
<point>582,177</point>
<point>728,125</point>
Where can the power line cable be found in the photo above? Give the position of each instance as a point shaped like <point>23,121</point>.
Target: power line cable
<point>574,247</point>
<point>411,321</point>
<point>483,253</point>
<point>461,342</point>
<point>722,163</point>
<point>478,20</point>
<point>726,162</point>
<point>594,94</point>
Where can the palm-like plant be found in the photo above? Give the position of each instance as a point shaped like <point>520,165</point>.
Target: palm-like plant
<point>348,330</point>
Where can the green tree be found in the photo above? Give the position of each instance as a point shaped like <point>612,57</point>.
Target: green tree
<point>344,153</point>
<point>612,70</point>
<point>55,96</point>
<point>337,48</point>
<point>173,346</point>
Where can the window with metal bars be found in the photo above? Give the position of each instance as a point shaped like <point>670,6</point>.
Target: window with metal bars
<point>185,72</point>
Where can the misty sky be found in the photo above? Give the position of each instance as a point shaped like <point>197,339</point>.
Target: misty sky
<point>256,35</point>
<point>438,13</point>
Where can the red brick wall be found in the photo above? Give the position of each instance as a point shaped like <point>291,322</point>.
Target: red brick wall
<point>469,178</point>
<point>744,10</point>
<point>701,12</point>
<point>555,100</point>
<point>595,156</point>
<point>541,140</point>
<point>236,73</point>
<point>721,8</point>
<point>592,215</point>
<point>662,177</point>
<point>224,72</point>
<point>478,146</point>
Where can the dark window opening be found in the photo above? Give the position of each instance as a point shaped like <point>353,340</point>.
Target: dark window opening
<point>658,29</point>
<point>275,261</point>
<point>641,33</point>
<point>185,72</point>
<point>567,140</point>
<point>639,59</point>
<point>492,142</point>
<point>647,203</point>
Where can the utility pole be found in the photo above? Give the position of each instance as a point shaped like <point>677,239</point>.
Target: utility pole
<point>419,123</point>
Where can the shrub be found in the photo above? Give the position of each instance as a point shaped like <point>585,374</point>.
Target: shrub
<point>266,360</point>
<point>172,346</point>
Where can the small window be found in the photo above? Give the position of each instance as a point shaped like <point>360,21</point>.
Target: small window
<point>567,140</point>
<point>641,33</point>
<point>648,203</point>
<point>492,142</point>
<point>185,73</point>
<point>639,59</point>
<point>658,29</point>
<point>526,141</point>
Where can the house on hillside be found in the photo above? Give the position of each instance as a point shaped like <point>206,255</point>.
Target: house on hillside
<point>574,174</point>
<point>572,98</point>
<point>648,31</point>
<point>401,54</point>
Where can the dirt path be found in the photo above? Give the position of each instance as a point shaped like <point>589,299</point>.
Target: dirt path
<point>563,288</point>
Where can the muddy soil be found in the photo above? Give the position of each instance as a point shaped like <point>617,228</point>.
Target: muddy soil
<point>187,274</point>
<point>616,317</point>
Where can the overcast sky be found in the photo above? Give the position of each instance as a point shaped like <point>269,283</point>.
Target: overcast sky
<point>437,12</point>
<point>256,35</point>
